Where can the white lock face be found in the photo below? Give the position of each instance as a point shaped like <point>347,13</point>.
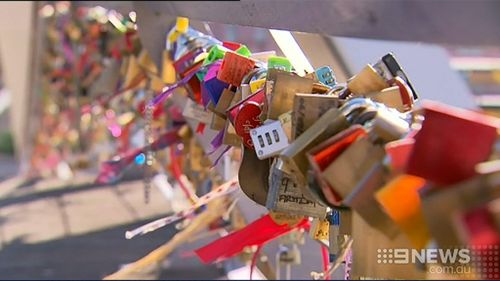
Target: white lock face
<point>269,139</point>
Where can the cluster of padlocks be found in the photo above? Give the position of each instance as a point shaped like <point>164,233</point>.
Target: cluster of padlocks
<point>358,164</point>
<point>388,186</point>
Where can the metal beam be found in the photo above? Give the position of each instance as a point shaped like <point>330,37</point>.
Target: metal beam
<point>462,22</point>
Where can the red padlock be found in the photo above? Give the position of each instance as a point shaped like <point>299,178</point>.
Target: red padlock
<point>246,119</point>
<point>450,143</point>
<point>245,116</point>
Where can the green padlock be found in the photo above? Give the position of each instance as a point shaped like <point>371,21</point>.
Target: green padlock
<point>280,63</point>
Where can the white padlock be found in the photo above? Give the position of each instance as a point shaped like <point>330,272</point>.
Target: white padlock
<point>269,139</point>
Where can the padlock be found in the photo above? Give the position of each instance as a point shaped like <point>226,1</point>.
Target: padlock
<point>465,139</point>
<point>334,237</point>
<point>257,85</point>
<point>362,200</point>
<point>253,82</point>
<point>294,154</point>
<point>325,76</point>
<point>288,252</point>
<point>367,81</point>
<point>330,123</point>
<point>405,92</point>
<point>388,126</point>
<point>354,162</point>
<point>390,62</point>
<point>285,195</point>
<point>244,51</point>
<point>168,71</point>
<point>253,176</point>
<point>230,136</point>
<point>245,116</point>
<point>269,139</point>
<point>224,102</point>
<point>371,254</point>
<point>307,108</point>
<point>234,67</point>
<point>217,123</point>
<point>286,123</point>
<point>284,88</point>
<point>322,155</point>
<point>216,53</point>
<point>391,97</point>
<point>320,229</point>
<point>438,205</point>
<point>400,199</point>
<point>280,63</point>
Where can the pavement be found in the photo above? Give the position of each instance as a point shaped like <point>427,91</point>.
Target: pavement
<point>76,230</point>
<point>52,229</point>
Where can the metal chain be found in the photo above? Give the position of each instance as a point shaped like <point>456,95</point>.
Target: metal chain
<point>149,139</point>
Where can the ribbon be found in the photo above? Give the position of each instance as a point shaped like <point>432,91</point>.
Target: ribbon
<point>111,170</point>
<point>223,189</point>
<point>200,128</point>
<point>217,140</point>
<point>220,156</point>
<point>254,261</point>
<point>170,89</point>
<point>257,233</point>
<point>176,169</point>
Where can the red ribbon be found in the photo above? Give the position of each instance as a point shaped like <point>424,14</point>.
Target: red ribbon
<point>201,128</point>
<point>257,233</point>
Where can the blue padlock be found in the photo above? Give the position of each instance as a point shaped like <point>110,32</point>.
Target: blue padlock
<point>326,76</point>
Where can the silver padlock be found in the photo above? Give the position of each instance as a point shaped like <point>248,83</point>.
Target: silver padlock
<point>269,139</point>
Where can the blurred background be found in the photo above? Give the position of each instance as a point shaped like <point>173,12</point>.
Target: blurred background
<point>52,54</point>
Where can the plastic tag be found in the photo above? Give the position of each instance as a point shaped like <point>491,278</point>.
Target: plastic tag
<point>234,67</point>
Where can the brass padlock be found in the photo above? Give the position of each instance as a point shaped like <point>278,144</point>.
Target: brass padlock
<point>389,96</point>
<point>330,123</point>
<point>285,86</point>
<point>367,81</point>
<point>295,155</point>
<point>362,201</point>
<point>230,136</point>
<point>218,123</point>
<point>224,103</point>
<point>285,195</point>
<point>307,108</point>
<point>344,173</point>
<point>389,127</point>
<point>253,176</point>
<point>373,254</point>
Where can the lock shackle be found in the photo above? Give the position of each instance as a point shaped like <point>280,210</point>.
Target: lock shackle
<point>366,116</point>
<point>353,107</point>
<point>255,73</point>
<point>335,89</point>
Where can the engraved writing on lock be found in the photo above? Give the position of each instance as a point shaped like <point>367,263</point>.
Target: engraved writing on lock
<point>285,195</point>
<point>284,89</point>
